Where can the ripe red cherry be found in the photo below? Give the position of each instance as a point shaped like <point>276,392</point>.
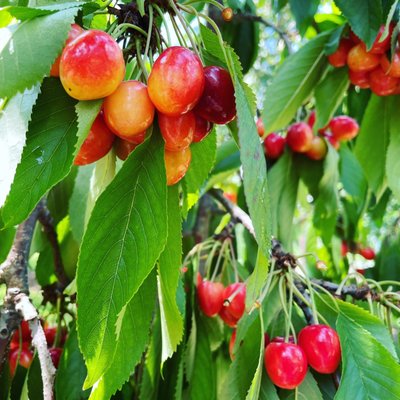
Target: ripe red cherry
<point>128,112</point>
<point>177,132</point>
<point>343,127</point>
<point>25,359</point>
<point>322,347</point>
<point>360,60</point>
<point>383,46</point>
<point>339,57</point>
<point>392,68</point>
<point>381,83</point>
<point>227,317</point>
<point>260,127</point>
<point>299,137</point>
<point>233,312</point>
<point>50,333</point>
<point>55,355</point>
<point>232,345</point>
<point>217,103</point>
<point>286,364</point>
<point>97,143</point>
<point>274,146</point>
<point>202,129</point>
<point>176,164</point>
<point>74,32</point>
<point>176,81</point>
<point>359,78</point>
<point>25,335</point>
<point>344,249</point>
<point>318,149</point>
<point>367,252</point>
<point>311,119</point>
<point>333,141</point>
<point>210,296</point>
<point>123,148</point>
<point>92,66</point>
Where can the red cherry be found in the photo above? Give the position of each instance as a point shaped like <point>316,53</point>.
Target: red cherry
<point>380,47</point>
<point>232,345</point>
<point>274,146</point>
<point>260,127</point>
<point>55,355</point>
<point>359,78</point>
<point>92,66</point>
<point>286,364</point>
<point>176,81</point>
<point>333,141</point>
<point>217,103</point>
<point>281,339</point>
<point>123,148</point>
<point>392,68</point>
<point>311,119</point>
<point>344,249</point>
<point>202,129</point>
<point>50,333</point>
<point>322,347</point>
<point>267,339</point>
<point>381,83</point>
<point>339,57</point>
<point>367,252</point>
<point>232,196</point>
<point>318,149</point>
<point>97,143</point>
<point>343,127</point>
<point>74,32</point>
<point>299,137</point>
<point>354,38</point>
<point>177,132</point>
<point>237,304</point>
<point>176,164</point>
<point>25,332</point>
<point>210,296</point>
<point>25,359</point>
<point>360,60</point>
<point>227,317</point>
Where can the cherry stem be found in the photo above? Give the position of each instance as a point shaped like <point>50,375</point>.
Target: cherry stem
<point>161,14</point>
<point>213,2</point>
<point>178,32</point>
<point>211,257</point>
<point>149,32</point>
<point>123,27</point>
<point>221,252</point>
<point>140,60</point>
<point>288,322</point>
<point>58,331</point>
<point>328,293</point>
<point>105,5</point>
<point>233,260</point>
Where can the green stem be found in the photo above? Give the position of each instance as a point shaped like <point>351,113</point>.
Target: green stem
<point>213,2</point>
<point>140,60</point>
<point>178,32</point>
<point>58,331</point>
<point>149,32</point>
<point>220,255</point>
<point>288,322</point>
<point>161,14</point>
<point>123,27</point>
<point>210,257</point>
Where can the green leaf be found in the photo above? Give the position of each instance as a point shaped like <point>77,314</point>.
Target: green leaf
<point>267,390</point>
<point>256,280</point>
<point>373,140</point>
<point>168,277</point>
<point>307,390</point>
<point>6,240</point>
<point>71,371</point>
<point>329,94</point>
<point>303,11</point>
<point>34,380</point>
<point>294,82</point>
<point>125,235</point>
<point>14,121</point>
<point>393,159</point>
<point>369,371</point>
<point>133,336</point>
<point>31,50</point>
<point>47,156</point>
<point>364,16</point>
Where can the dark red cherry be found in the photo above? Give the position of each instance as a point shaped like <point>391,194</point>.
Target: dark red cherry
<point>202,129</point>
<point>274,146</point>
<point>210,296</point>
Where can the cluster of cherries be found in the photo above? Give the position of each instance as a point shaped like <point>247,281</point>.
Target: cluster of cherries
<point>188,98</point>
<point>301,139</point>
<point>367,252</point>
<point>20,346</point>
<point>372,69</point>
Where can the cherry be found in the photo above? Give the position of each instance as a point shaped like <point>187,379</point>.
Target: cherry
<point>137,139</point>
<point>217,103</point>
<point>232,196</point>
<point>381,83</point>
<point>177,132</point>
<point>232,345</point>
<point>25,359</point>
<point>50,333</point>
<point>318,149</point>
<point>367,252</point>
<point>25,334</point>
<point>333,141</point>
<point>74,32</point>
<point>286,364</point>
<point>260,127</point>
<point>202,129</point>
<point>274,146</point>
<point>227,14</point>
<point>311,119</point>
<point>343,127</point>
<point>299,137</point>
<point>267,339</point>
<point>281,339</point>
<point>360,60</point>
<point>227,317</point>
<point>92,66</point>
<point>380,47</point>
<point>55,355</point>
<point>359,78</point>
<point>322,347</point>
<point>392,68</point>
<point>232,312</point>
<point>354,38</point>
<point>123,148</point>
<point>176,164</point>
<point>339,57</point>
<point>176,81</point>
<point>97,143</point>
<point>210,297</point>
<point>128,112</point>
<point>344,249</point>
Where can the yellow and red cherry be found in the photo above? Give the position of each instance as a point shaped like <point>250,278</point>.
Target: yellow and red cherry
<point>344,128</point>
<point>97,143</point>
<point>339,57</point>
<point>217,103</point>
<point>274,146</point>
<point>92,66</point>
<point>359,78</point>
<point>202,129</point>
<point>260,127</point>
<point>177,132</point>
<point>392,68</point>
<point>381,83</point>
<point>380,47</point>
<point>360,60</point>
<point>128,111</point>
<point>318,149</point>
<point>176,81</point>
<point>176,164</point>
<point>299,137</point>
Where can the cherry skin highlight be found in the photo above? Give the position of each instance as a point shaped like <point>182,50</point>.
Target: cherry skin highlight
<point>299,137</point>
<point>97,143</point>
<point>128,112</point>
<point>210,297</point>
<point>176,81</point>
<point>176,164</point>
<point>177,132</point>
<point>92,66</point>
<point>322,347</point>
<point>274,146</point>
<point>217,103</point>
